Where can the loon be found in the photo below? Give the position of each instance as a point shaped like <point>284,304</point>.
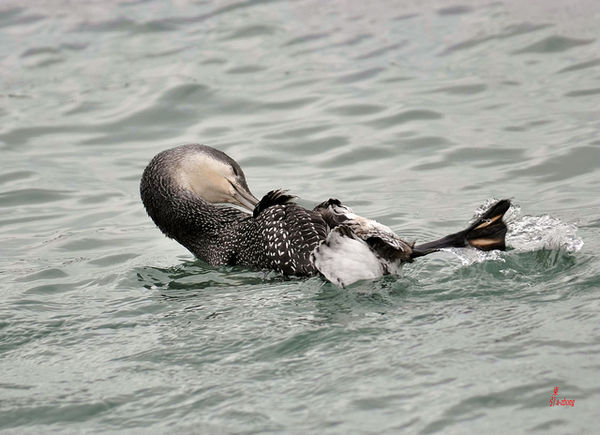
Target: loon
<point>187,190</point>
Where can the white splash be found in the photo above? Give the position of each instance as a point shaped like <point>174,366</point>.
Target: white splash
<point>468,256</point>
<point>532,233</point>
<point>525,234</point>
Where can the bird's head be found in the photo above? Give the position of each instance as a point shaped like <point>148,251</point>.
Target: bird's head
<point>212,175</point>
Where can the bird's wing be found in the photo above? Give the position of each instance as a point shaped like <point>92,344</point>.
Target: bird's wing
<point>378,236</point>
<point>288,233</point>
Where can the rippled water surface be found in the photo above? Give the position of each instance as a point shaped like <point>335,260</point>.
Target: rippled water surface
<point>413,113</point>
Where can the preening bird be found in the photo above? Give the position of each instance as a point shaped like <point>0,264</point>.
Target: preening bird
<point>186,191</point>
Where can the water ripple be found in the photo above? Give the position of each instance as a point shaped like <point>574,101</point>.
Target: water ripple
<point>306,38</point>
<point>359,76</point>
<point>461,89</point>
<point>31,196</point>
<point>412,115</point>
<point>575,162</point>
<point>251,31</point>
<point>454,10</point>
<point>554,44</point>
<point>508,32</point>
<point>356,109</point>
<point>583,92</point>
<point>582,65</point>
<point>382,50</point>
<point>17,17</point>
<point>404,117</point>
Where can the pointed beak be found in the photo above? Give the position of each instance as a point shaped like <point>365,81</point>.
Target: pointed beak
<point>244,198</point>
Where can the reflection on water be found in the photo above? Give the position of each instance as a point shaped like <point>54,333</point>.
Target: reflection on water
<point>412,114</point>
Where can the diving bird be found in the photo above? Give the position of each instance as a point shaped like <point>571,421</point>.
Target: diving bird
<point>188,191</point>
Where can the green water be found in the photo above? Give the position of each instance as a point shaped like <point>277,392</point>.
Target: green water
<point>412,113</point>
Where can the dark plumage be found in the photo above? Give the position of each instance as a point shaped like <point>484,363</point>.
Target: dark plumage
<point>279,235</point>
<point>183,190</point>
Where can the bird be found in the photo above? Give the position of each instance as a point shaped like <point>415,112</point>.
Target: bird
<point>199,196</point>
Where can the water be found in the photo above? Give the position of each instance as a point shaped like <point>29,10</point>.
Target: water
<point>413,113</point>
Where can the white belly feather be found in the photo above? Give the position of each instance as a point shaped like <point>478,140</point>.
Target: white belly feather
<point>356,248</point>
<point>343,260</point>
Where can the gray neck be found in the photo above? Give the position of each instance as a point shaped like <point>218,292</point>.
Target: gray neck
<point>203,228</point>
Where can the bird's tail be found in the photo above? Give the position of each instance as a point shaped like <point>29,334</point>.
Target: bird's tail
<point>486,233</point>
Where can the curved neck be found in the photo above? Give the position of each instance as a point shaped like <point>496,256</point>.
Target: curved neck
<point>182,215</point>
